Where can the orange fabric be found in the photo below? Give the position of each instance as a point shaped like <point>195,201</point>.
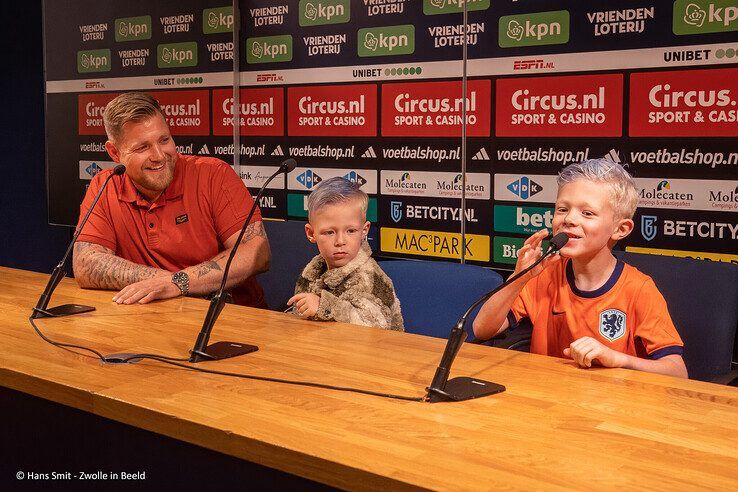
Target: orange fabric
<point>204,205</point>
<point>627,314</point>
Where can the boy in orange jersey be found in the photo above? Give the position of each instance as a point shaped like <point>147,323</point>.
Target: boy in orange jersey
<point>584,303</point>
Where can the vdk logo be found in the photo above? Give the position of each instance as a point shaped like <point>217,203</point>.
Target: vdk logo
<point>93,169</point>
<point>217,20</point>
<point>269,49</point>
<point>396,211</point>
<point>176,55</point>
<point>314,13</point>
<point>704,16</point>
<point>355,177</point>
<point>534,29</point>
<point>612,324</point>
<point>524,187</point>
<point>389,40</point>
<point>309,179</point>
<point>648,227</point>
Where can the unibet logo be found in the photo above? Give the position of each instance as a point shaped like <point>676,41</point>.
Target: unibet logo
<point>524,187</point>
<point>522,220</point>
<point>435,7</point>
<point>176,55</point>
<point>217,20</point>
<point>269,49</point>
<point>133,28</point>
<point>535,29</point>
<point>384,41</point>
<point>317,13</point>
<point>93,61</point>
<point>704,16</point>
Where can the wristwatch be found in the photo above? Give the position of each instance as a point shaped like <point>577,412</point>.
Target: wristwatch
<point>181,280</point>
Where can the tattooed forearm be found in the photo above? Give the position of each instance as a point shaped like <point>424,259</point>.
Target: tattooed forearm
<point>96,266</point>
<point>204,268</point>
<point>252,231</point>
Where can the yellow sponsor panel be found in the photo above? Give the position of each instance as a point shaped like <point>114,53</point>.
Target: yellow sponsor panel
<point>697,255</point>
<point>433,243</point>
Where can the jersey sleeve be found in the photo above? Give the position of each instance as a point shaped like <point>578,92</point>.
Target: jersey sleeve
<point>521,306</point>
<point>654,326</point>
<point>231,202</point>
<point>99,228</point>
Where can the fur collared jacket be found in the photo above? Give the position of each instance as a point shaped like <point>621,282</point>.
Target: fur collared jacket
<point>358,292</point>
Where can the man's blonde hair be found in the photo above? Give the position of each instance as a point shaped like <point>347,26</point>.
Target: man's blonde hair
<point>623,190</point>
<point>129,106</point>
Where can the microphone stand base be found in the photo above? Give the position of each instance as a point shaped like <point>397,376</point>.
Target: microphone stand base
<point>222,350</point>
<point>63,310</point>
<point>464,388</point>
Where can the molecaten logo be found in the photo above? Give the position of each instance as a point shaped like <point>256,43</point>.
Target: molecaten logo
<point>316,13</point>
<point>535,29</point>
<point>704,16</point>
<point>385,41</point>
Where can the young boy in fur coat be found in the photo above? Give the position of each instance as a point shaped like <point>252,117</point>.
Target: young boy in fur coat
<point>343,283</point>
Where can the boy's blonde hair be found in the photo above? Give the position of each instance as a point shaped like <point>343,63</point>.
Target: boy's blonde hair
<point>129,106</point>
<point>336,190</point>
<point>623,190</point>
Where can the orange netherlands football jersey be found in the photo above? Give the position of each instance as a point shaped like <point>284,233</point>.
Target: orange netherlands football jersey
<point>627,314</point>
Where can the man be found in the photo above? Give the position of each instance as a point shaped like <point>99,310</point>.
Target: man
<point>167,226</point>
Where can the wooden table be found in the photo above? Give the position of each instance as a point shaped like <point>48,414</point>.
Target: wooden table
<point>556,426</point>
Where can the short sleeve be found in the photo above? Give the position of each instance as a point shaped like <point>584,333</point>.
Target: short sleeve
<point>99,228</point>
<point>521,305</point>
<point>654,326</point>
<point>231,202</point>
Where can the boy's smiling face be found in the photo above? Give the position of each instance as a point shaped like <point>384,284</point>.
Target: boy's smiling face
<point>584,211</point>
<point>338,229</point>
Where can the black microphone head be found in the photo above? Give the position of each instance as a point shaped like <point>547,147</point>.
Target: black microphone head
<point>119,169</point>
<point>288,165</point>
<point>558,241</point>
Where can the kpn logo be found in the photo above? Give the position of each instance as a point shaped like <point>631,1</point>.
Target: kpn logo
<point>175,55</point>
<point>386,41</point>
<point>217,20</point>
<point>320,12</point>
<point>269,49</point>
<point>539,28</point>
<point>435,7</point>
<point>704,16</point>
<point>133,28</point>
<point>93,61</point>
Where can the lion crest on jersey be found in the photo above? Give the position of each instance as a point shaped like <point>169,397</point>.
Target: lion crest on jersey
<point>612,324</point>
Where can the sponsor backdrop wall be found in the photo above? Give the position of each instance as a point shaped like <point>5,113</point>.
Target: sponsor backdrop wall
<point>371,90</point>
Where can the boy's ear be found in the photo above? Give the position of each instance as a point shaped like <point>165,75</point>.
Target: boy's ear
<point>624,228</point>
<point>365,229</point>
<point>309,232</point>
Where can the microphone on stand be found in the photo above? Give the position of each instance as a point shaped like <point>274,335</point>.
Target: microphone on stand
<point>40,311</point>
<point>223,350</point>
<point>465,388</point>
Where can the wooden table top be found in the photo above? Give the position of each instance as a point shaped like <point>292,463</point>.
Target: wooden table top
<point>556,426</point>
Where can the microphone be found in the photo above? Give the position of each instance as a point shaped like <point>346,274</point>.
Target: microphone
<point>465,388</point>
<point>223,350</point>
<point>40,310</point>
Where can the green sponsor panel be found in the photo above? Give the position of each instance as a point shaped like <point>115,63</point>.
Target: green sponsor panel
<point>535,29</point>
<point>505,249</point>
<point>704,16</point>
<point>320,12</point>
<point>386,41</point>
<point>93,61</point>
<point>175,55</point>
<point>522,220</point>
<point>269,49</point>
<point>217,20</point>
<point>133,28</point>
<point>435,7</point>
<point>297,207</point>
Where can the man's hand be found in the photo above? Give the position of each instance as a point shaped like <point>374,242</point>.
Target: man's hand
<point>159,287</point>
<point>306,304</point>
<point>587,351</point>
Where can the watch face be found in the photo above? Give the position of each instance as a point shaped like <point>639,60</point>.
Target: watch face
<point>181,280</point>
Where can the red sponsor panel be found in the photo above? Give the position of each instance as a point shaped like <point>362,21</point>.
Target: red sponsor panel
<point>186,112</point>
<point>261,112</point>
<point>332,110</point>
<point>90,109</point>
<point>685,103</point>
<point>434,109</point>
<point>568,106</point>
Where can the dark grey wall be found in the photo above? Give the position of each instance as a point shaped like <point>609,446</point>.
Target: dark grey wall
<point>26,239</point>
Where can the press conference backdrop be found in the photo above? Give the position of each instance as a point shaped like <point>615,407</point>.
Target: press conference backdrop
<point>371,90</point>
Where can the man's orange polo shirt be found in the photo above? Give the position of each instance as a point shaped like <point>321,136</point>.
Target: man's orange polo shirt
<point>204,205</point>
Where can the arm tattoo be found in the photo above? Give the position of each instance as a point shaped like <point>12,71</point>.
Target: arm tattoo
<point>252,231</point>
<point>101,269</point>
<point>204,268</point>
